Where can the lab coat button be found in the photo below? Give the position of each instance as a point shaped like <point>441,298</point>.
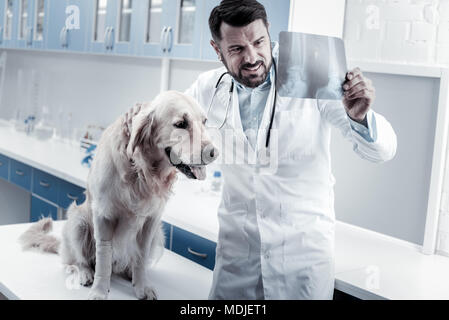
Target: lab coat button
<point>267,255</point>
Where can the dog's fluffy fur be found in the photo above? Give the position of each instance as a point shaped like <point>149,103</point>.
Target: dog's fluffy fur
<point>37,237</point>
<point>118,227</point>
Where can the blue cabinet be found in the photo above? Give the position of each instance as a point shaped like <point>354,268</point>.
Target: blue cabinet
<point>193,247</point>
<point>48,192</point>
<point>4,167</point>
<point>69,193</point>
<point>114,26</point>
<point>152,27</point>
<point>31,23</point>
<point>10,23</point>
<point>24,21</point>
<point>40,208</point>
<point>162,28</point>
<point>207,52</point>
<point>166,228</point>
<point>2,21</point>
<point>39,24</point>
<point>45,185</point>
<point>183,36</point>
<point>170,28</point>
<point>20,174</point>
<point>68,25</point>
<point>56,24</point>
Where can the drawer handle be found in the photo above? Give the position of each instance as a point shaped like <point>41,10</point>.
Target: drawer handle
<point>20,173</point>
<point>44,184</point>
<point>201,255</point>
<point>72,197</point>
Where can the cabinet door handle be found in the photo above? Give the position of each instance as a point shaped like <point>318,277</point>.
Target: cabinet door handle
<point>201,255</point>
<point>72,197</point>
<point>1,164</point>
<point>106,38</point>
<point>63,37</point>
<point>163,38</point>
<point>20,173</point>
<point>111,38</point>
<point>1,34</point>
<point>29,36</point>
<point>169,38</point>
<point>44,184</point>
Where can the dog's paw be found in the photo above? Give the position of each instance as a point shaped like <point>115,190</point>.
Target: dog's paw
<point>86,277</point>
<point>95,294</point>
<point>145,293</point>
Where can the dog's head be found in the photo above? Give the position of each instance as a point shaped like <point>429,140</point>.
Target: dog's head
<point>174,125</point>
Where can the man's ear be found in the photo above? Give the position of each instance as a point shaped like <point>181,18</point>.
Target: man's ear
<point>141,132</point>
<point>216,48</point>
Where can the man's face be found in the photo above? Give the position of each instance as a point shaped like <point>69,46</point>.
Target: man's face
<point>246,52</point>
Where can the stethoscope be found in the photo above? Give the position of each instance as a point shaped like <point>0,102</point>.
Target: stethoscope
<point>231,91</point>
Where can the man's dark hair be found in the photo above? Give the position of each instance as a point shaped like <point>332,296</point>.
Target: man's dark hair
<point>237,13</point>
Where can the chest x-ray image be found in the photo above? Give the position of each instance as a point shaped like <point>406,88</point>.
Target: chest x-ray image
<point>310,66</point>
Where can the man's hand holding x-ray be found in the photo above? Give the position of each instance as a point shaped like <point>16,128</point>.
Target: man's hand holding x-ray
<point>358,96</point>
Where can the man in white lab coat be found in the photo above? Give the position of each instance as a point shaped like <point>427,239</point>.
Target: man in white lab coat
<point>276,235</point>
<point>276,216</point>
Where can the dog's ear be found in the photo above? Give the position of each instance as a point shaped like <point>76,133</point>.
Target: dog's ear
<point>140,132</point>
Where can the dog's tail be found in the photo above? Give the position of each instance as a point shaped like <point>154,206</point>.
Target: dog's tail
<point>37,237</point>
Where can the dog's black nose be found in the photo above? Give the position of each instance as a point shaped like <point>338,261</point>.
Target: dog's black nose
<point>210,154</point>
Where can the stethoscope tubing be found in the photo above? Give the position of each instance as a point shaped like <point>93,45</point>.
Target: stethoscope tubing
<point>231,91</point>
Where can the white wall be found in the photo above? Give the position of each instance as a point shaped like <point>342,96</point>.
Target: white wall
<point>184,73</point>
<point>95,89</point>
<point>405,31</point>
<point>323,17</point>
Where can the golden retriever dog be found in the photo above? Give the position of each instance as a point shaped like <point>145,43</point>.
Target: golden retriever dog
<point>118,228</point>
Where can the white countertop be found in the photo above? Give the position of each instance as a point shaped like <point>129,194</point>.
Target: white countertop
<point>35,275</point>
<point>368,265</point>
<point>55,157</point>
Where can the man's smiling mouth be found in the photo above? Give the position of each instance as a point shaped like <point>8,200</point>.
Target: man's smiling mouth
<point>253,68</point>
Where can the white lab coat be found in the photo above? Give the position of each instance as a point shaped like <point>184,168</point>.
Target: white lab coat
<point>276,229</point>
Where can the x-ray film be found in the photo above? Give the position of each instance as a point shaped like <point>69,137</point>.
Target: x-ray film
<point>310,66</point>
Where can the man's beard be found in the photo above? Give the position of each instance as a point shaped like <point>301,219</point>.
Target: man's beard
<point>251,81</point>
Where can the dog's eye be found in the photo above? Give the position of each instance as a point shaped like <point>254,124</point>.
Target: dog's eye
<point>181,124</point>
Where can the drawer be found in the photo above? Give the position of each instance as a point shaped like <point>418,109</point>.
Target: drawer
<point>166,228</point>
<point>45,185</point>
<point>40,208</point>
<point>68,193</point>
<point>20,174</point>
<point>193,247</point>
<point>4,167</point>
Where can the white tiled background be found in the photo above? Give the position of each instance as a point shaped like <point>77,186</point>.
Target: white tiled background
<point>405,31</point>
